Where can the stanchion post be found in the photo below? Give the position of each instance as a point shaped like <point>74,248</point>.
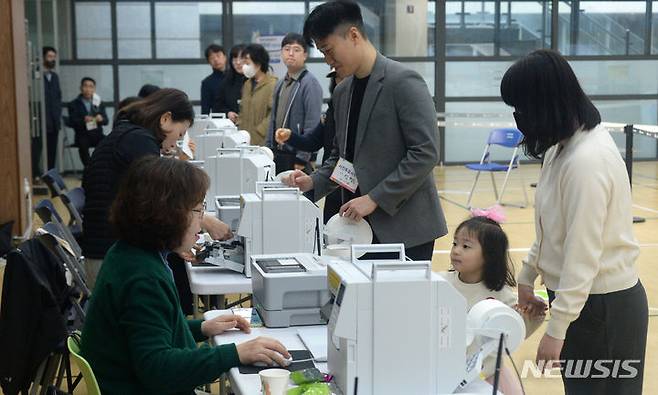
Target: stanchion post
<point>628,130</point>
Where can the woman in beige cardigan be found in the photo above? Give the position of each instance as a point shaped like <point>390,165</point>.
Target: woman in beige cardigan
<point>585,251</point>
<point>256,101</point>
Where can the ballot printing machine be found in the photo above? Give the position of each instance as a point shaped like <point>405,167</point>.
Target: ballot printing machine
<point>394,326</point>
<point>234,171</point>
<point>273,219</point>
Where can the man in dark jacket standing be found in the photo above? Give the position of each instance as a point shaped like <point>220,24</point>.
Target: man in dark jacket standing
<point>53,98</point>
<point>216,57</point>
<point>87,117</point>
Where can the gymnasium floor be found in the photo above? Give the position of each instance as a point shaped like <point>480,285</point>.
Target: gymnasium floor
<point>454,182</point>
<point>520,231</point>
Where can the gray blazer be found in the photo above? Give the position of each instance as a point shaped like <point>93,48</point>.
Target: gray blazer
<point>395,152</point>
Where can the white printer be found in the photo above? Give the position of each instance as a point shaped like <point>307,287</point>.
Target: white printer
<point>213,121</point>
<point>289,289</point>
<point>227,208</point>
<point>395,327</point>
<point>272,221</point>
<point>214,139</point>
<point>234,171</point>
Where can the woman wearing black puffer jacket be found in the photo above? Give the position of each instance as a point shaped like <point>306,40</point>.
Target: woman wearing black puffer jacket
<point>145,127</point>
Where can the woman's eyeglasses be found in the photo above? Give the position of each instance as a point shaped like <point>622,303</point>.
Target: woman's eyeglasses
<point>201,210</point>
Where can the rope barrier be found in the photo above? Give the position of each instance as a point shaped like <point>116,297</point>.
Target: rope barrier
<point>646,130</point>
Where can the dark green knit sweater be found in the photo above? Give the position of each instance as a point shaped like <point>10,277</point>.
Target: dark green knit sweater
<point>137,339</point>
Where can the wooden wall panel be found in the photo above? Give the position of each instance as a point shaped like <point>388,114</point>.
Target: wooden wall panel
<point>15,164</point>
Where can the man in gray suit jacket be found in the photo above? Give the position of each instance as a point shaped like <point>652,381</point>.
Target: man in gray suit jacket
<point>386,135</point>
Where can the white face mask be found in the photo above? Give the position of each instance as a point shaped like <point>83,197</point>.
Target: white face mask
<point>249,70</point>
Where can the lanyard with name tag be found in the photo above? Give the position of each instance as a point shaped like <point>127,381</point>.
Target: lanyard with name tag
<point>91,125</point>
<point>344,173</point>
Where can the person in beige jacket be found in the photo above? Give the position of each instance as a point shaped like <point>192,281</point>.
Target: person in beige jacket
<point>256,101</point>
<point>585,250</point>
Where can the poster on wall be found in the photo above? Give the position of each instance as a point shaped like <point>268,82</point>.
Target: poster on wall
<point>272,44</point>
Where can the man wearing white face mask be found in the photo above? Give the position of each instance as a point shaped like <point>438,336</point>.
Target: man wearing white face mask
<point>256,102</point>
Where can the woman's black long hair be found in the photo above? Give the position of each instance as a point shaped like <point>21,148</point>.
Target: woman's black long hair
<point>235,52</point>
<point>549,103</point>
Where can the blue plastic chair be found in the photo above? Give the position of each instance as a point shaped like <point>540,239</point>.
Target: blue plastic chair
<point>55,182</point>
<point>46,211</point>
<point>70,259</point>
<point>74,201</point>
<point>57,187</point>
<point>54,229</point>
<point>508,138</point>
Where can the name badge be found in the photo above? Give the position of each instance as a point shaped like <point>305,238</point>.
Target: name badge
<point>344,175</point>
<point>91,125</point>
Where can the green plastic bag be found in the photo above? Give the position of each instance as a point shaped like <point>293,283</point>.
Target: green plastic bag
<point>310,389</point>
<point>306,376</point>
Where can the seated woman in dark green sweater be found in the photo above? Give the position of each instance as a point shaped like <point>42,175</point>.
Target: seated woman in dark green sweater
<point>136,338</point>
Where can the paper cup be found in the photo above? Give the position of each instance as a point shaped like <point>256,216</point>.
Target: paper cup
<point>274,381</point>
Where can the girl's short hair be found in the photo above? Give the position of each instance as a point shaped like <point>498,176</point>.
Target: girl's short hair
<point>497,271</point>
<point>156,195</point>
